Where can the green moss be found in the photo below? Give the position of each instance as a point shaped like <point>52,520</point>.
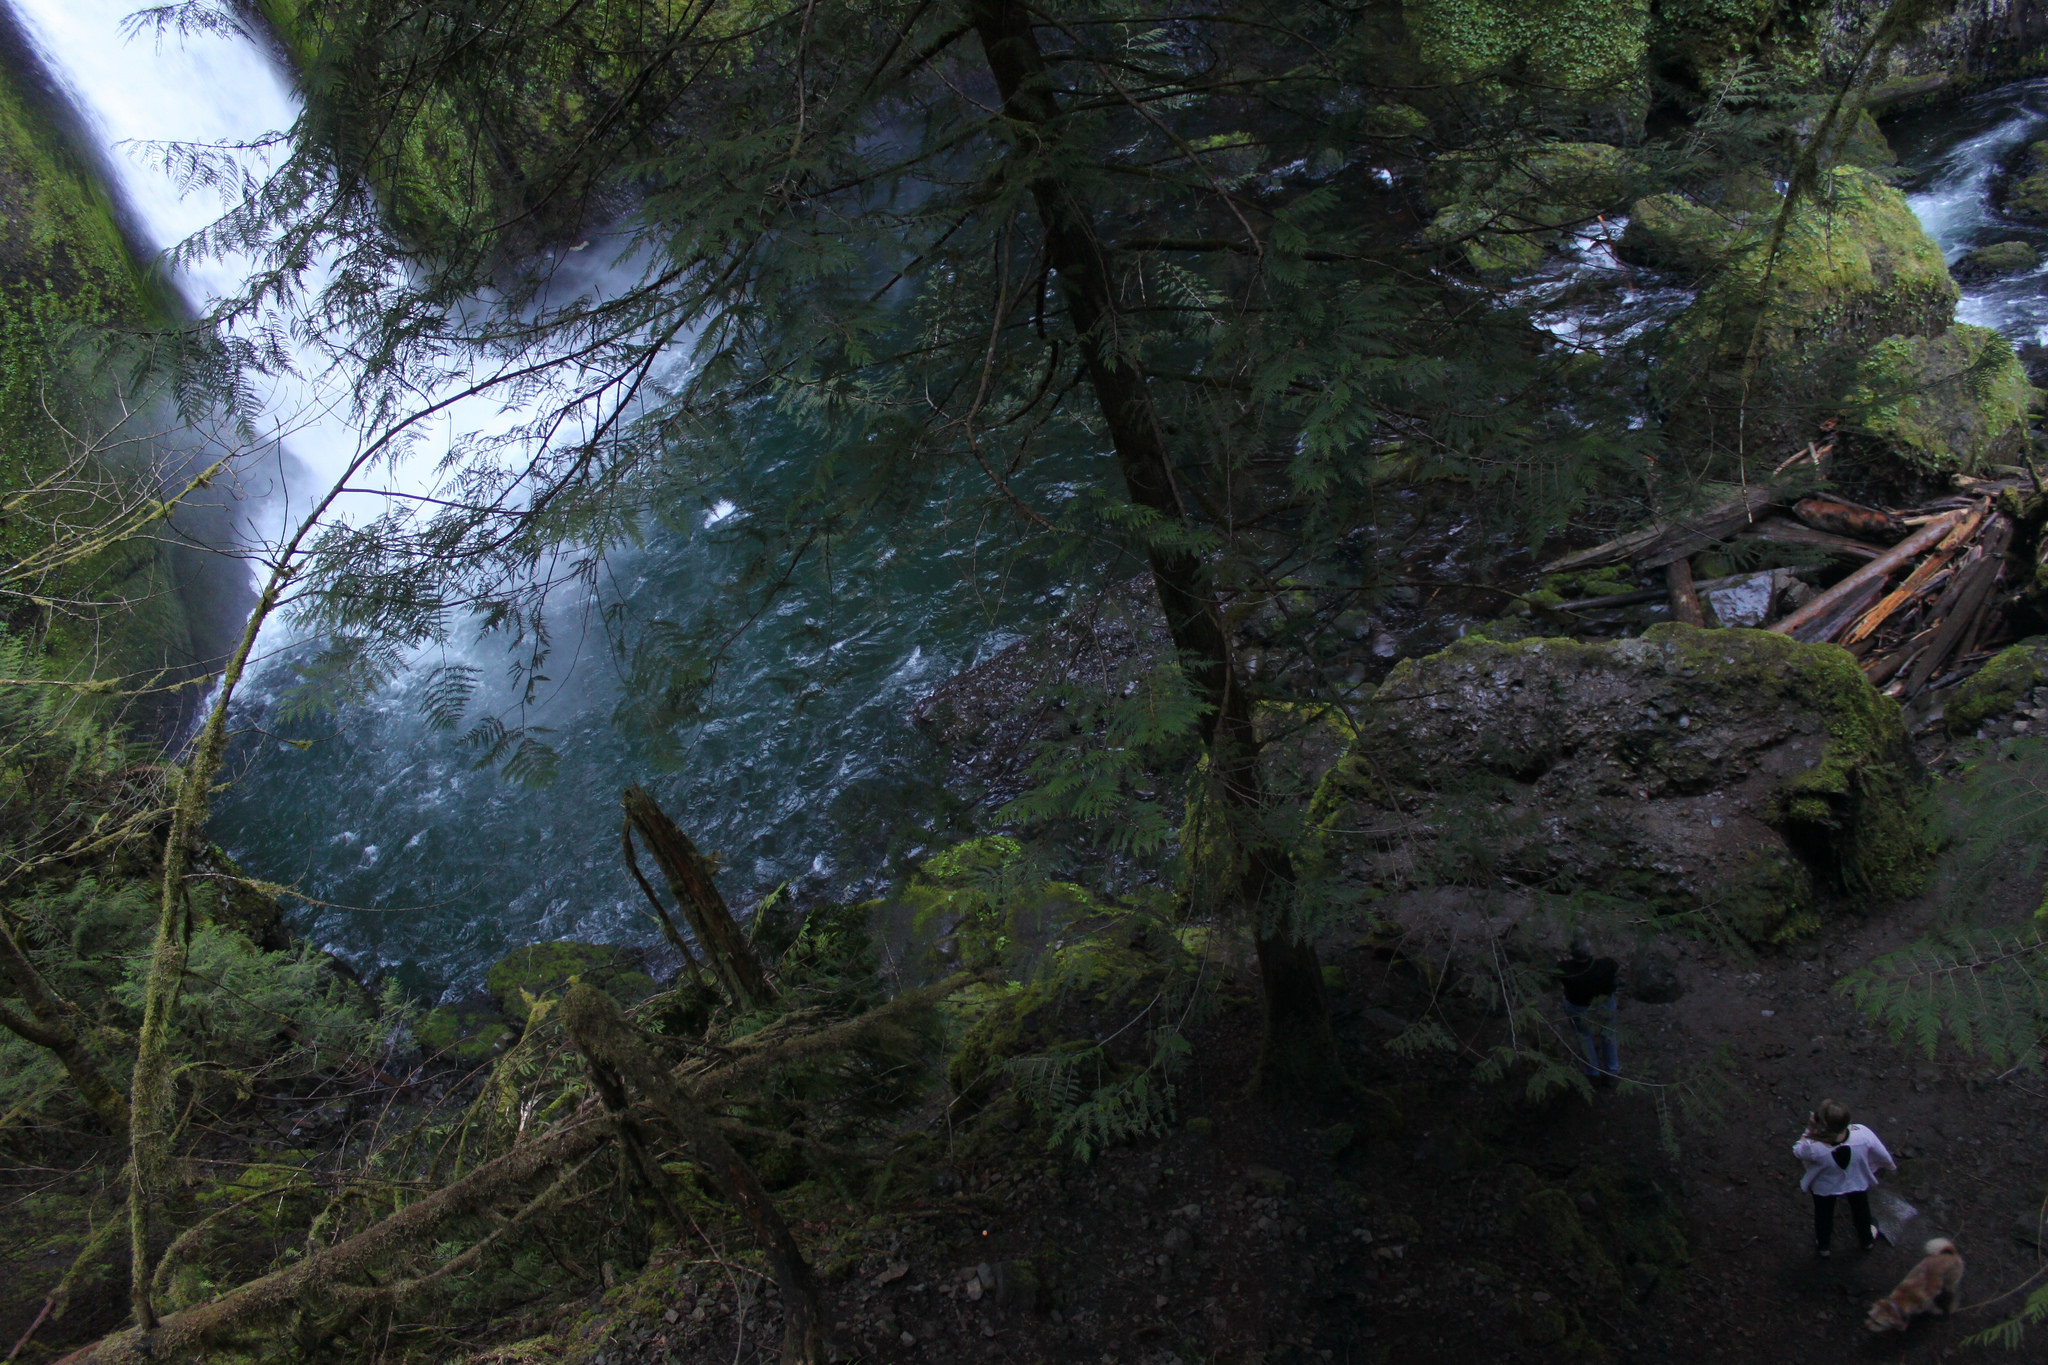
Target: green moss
<point>1504,207</point>
<point>1997,687</point>
<point>2000,258</point>
<point>528,974</point>
<point>1954,402</point>
<point>1670,232</point>
<point>1855,267</point>
<point>1593,48</point>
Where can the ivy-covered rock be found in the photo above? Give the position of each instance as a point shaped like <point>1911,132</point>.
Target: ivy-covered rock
<point>1503,208</point>
<point>526,975</point>
<point>1997,687</point>
<point>1737,774</point>
<point>1943,404</point>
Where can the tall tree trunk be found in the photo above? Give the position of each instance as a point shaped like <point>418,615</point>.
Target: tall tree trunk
<point>1298,1050</point>
<point>605,1037</point>
<point>55,1027</point>
<point>689,878</point>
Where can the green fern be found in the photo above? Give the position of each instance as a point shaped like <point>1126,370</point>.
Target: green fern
<point>1987,991</point>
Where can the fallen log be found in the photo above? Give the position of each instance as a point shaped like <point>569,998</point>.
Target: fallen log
<point>1844,612</point>
<point>1655,546</point>
<point>1784,531</point>
<point>1826,512</point>
<point>1876,569</point>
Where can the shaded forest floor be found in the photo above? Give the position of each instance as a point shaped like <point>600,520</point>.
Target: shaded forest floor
<point>1430,1217</point>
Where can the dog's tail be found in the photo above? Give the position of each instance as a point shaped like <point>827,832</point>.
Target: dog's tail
<point>1940,1246</point>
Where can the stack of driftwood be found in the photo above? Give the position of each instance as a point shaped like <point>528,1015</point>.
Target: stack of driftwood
<point>1923,605</point>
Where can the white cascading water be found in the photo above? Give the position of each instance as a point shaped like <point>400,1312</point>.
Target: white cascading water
<point>1963,154</point>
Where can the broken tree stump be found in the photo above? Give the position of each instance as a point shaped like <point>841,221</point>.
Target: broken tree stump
<point>1685,598</point>
<point>689,879</point>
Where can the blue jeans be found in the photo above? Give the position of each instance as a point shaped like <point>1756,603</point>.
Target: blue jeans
<point>1594,1024</point>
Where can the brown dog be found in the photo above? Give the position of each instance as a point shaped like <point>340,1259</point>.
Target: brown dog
<point>1933,1286</point>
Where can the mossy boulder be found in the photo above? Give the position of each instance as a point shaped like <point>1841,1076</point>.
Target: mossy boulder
<point>1943,404</point>
<point>467,1032</point>
<point>1997,687</point>
<point>527,975</point>
<point>2024,191</point>
<point>1671,232</point>
<point>1855,267</point>
<point>1503,208</point>
<point>1736,774</point>
<point>2000,258</point>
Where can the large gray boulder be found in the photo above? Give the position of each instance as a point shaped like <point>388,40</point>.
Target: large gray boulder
<point>1732,774</point>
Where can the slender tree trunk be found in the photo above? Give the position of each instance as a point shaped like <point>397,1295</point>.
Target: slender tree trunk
<point>689,879</point>
<point>55,1026</point>
<point>151,1111</point>
<point>604,1036</point>
<point>1298,1051</point>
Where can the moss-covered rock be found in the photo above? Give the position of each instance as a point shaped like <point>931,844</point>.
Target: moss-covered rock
<point>1997,687</point>
<point>2000,258</point>
<point>1670,232</point>
<point>1731,773</point>
<point>1854,268</point>
<point>2024,191</point>
<point>1504,207</point>
<point>1943,404</point>
<point>528,974</point>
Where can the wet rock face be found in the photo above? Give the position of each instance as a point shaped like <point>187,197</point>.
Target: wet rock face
<point>1734,772</point>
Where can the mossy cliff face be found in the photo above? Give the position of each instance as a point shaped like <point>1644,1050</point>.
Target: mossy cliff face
<point>1965,45</point>
<point>1735,773</point>
<point>69,284</point>
<point>1594,47</point>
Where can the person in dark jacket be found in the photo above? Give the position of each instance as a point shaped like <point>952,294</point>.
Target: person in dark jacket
<point>1588,983</point>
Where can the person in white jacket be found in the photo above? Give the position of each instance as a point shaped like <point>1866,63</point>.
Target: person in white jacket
<point>1842,1161</point>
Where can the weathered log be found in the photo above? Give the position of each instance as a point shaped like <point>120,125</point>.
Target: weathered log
<point>1655,546</point>
<point>1826,512</point>
<point>1876,569</point>
<point>1685,598</point>
<point>206,1327</point>
<point>1917,581</point>
<point>1784,531</point>
<point>1842,615</point>
<point>689,879</point>
<point>603,1035</point>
